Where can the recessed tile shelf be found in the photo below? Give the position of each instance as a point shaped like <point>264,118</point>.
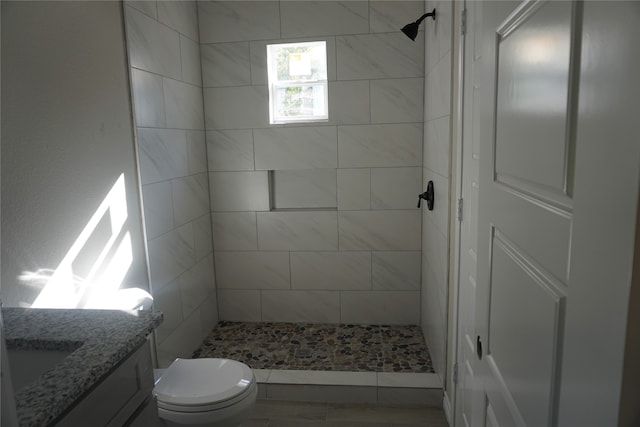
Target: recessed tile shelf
<point>303,190</point>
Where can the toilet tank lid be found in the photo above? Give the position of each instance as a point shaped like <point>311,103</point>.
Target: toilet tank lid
<point>195,382</point>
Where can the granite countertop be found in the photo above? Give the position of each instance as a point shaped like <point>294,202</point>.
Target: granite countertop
<point>99,339</point>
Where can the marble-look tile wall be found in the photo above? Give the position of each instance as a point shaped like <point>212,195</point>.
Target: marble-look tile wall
<point>164,54</point>
<point>437,167</point>
<point>354,253</point>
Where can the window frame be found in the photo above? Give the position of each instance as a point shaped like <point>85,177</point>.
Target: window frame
<point>274,84</point>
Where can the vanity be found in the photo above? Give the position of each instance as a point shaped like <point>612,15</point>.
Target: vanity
<point>81,367</point>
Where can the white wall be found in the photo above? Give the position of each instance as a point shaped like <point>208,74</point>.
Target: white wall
<point>164,54</point>
<point>359,260</point>
<point>66,136</point>
<point>437,167</point>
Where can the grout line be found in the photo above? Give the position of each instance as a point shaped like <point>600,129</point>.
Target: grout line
<point>280,18</point>
<point>290,273</point>
<point>253,145</point>
<point>371,272</point>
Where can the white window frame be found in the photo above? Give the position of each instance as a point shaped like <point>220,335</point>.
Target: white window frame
<point>274,85</point>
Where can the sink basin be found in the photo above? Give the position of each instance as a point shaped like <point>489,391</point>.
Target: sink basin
<point>27,365</point>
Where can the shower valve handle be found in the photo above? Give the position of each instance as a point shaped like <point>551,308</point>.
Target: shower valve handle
<point>428,196</point>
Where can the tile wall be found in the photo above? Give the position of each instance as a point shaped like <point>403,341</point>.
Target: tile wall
<point>437,167</point>
<point>164,55</point>
<point>348,247</point>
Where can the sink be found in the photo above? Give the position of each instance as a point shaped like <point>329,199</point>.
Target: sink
<point>26,365</point>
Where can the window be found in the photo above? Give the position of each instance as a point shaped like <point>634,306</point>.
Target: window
<point>298,90</point>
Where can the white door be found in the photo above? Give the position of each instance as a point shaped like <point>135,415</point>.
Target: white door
<point>559,185</point>
<point>527,149</point>
<point>559,188</point>
<point>466,334</point>
<point>600,381</point>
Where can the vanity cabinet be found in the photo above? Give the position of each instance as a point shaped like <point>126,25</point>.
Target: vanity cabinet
<point>106,376</point>
<point>146,416</point>
<point>119,398</point>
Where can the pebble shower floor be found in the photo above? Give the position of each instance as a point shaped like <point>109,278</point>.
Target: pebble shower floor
<point>318,347</point>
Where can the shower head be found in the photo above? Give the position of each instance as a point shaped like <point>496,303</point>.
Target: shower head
<point>411,30</point>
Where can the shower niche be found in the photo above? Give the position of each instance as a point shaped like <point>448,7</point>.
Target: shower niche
<point>303,189</point>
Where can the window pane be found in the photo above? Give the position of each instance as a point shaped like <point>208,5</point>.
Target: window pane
<point>300,101</point>
<point>300,62</point>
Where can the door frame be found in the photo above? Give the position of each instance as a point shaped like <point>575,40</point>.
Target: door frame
<point>459,36</point>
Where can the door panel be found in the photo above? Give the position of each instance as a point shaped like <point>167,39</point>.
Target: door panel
<point>523,330</point>
<point>532,148</point>
<point>525,208</point>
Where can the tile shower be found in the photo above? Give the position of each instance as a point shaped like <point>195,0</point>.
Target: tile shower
<point>206,152</point>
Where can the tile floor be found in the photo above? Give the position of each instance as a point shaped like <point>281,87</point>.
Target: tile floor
<point>269,413</point>
<point>306,346</point>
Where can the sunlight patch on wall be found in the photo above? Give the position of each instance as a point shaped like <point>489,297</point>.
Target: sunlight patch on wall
<point>95,266</point>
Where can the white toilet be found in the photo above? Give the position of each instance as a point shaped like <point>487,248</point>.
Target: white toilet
<point>206,392</point>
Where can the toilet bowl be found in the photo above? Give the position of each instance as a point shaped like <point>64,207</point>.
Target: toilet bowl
<point>206,392</point>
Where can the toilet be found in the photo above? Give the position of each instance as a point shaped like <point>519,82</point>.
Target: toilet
<point>205,392</point>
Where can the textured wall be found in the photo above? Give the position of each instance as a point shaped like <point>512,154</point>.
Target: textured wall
<point>164,52</point>
<point>66,139</point>
<point>358,259</point>
<point>437,167</point>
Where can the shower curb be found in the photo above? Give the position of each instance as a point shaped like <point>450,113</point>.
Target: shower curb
<point>388,388</point>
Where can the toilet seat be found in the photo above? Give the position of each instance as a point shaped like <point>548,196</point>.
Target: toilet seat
<point>200,385</point>
<point>208,407</point>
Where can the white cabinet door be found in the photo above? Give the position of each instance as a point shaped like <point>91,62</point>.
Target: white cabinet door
<point>117,397</point>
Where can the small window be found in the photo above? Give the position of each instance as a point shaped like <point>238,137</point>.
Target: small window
<point>298,90</point>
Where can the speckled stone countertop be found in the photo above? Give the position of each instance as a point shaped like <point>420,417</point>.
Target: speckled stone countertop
<point>99,339</point>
